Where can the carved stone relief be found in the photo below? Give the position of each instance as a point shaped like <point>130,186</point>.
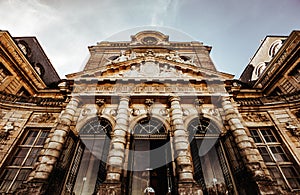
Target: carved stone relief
<point>255,117</point>
<point>43,118</point>
<point>152,69</point>
<point>172,56</point>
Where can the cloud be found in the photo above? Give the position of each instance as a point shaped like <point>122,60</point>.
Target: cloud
<point>65,28</point>
<point>26,16</point>
<point>163,11</point>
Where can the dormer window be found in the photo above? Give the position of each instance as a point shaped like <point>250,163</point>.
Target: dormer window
<point>260,68</point>
<point>39,69</point>
<point>274,48</point>
<point>24,47</point>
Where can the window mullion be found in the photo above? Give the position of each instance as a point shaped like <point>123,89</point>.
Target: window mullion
<point>261,136</point>
<point>283,176</point>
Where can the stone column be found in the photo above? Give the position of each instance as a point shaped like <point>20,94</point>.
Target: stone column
<point>51,151</point>
<point>116,154</point>
<point>186,183</point>
<point>247,149</point>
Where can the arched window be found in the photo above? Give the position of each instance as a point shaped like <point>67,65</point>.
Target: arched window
<point>260,68</point>
<point>92,172</point>
<point>210,167</point>
<point>152,126</point>
<point>149,161</point>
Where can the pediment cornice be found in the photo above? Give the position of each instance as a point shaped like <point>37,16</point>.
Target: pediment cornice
<point>151,67</point>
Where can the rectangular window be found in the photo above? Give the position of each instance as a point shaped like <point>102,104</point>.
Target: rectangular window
<point>22,161</point>
<point>276,158</point>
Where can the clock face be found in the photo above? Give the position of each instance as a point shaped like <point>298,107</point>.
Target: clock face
<point>149,40</point>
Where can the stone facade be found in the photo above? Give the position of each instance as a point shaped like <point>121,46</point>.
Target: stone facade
<point>150,116</point>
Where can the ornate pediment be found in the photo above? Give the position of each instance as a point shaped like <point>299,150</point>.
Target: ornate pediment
<point>148,64</point>
<point>151,68</point>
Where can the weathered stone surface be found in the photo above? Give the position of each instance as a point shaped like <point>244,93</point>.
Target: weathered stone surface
<point>119,140</point>
<point>58,138</point>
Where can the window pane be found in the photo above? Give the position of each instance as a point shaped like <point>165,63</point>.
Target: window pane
<point>264,153</point>
<point>292,177</point>
<point>255,136</point>
<point>269,137</point>
<point>22,176</point>
<point>32,156</point>
<point>20,156</point>
<point>7,179</point>
<point>30,137</point>
<point>278,154</point>
<point>276,175</point>
<point>42,138</point>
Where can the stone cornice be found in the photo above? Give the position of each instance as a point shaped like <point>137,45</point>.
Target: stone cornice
<point>10,100</point>
<point>270,100</point>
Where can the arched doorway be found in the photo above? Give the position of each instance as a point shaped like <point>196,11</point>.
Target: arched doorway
<point>150,161</point>
<point>211,169</point>
<point>95,134</point>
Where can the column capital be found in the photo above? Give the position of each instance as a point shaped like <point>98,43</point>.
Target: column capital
<point>125,98</point>
<point>226,98</point>
<point>174,98</point>
<point>75,99</point>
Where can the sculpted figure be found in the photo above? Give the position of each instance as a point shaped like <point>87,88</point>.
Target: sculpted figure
<point>122,57</point>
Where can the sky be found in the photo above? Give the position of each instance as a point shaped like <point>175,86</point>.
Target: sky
<point>65,28</point>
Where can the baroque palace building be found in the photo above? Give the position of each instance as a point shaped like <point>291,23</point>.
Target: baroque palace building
<point>150,116</point>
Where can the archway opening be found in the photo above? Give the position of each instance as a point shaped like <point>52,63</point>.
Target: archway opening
<point>95,134</point>
<point>150,169</point>
<point>211,169</point>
